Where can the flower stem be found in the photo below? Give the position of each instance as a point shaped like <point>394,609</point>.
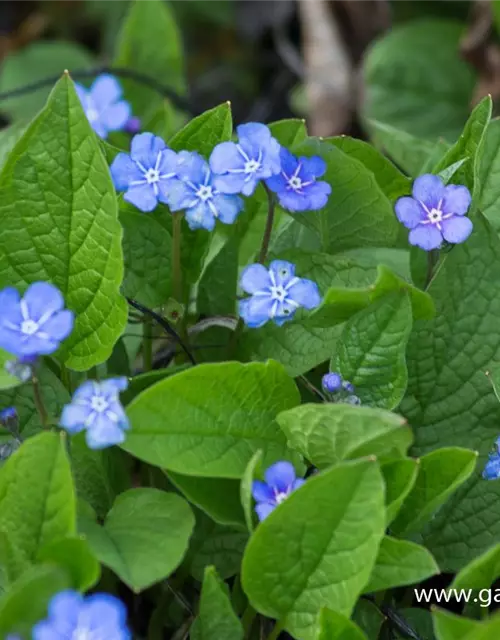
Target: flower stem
<point>247,620</point>
<point>39,404</point>
<point>275,633</point>
<point>176,257</point>
<point>147,343</point>
<point>266,238</point>
<point>432,260</point>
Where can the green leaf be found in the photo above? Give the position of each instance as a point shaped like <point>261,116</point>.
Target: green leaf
<point>369,618</point>
<point>59,155</point>
<point>371,351</point>
<point>450,401</point>
<point>296,345</point>
<point>9,137</point>
<point>388,177</point>
<point>399,476</point>
<point>216,619</point>
<point>420,620</point>
<point>37,499</point>
<point>147,254</point>
<point>215,544</point>
<point>440,474</point>
<point>217,287</point>
<point>209,420</point>
<point>289,132</point>
<point>481,572</point>
<point>334,626</point>
<point>450,626</point>
<point>149,42</point>
<point>358,213</point>
<point>415,86</point>
<point>488,185</point>
<point>310,552</point>
<point>144,380</point>
<point>6,380</point>
<point>38,61</point>
<point>75,556</point>
<point>254,468</point>
<point>219,498</point>
<point>202,133</point>
<point>27,600</point>
<point>326,434</point>
<point>144,537</point>
<point>412,154</point>
<point>400,563</point>
<point>469,146</point>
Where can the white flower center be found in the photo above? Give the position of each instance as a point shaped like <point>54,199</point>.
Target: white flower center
<point>152,176</point>
<point>295,182</point>
<point>82,633</point>
<point>278,293</point>
<point>204,193</point>
<point>279,496</point>
<point>92,114</point>
<point>29,327</point>
<point>251,166</point>
<point>435,216</point>
<point>98,404</point>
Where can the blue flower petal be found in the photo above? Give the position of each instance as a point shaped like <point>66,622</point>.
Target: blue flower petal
<point>280,475</point>
<point>123,171</point>
<point>277,183</point>
<point>65,607</point>
<point>409,212</point>
<point>228,207</point>
<point>492,468</point>
<point>226,156</point>
<point>200,217</point>
<point>229,183</point>
<point>105,91</point>
<point>306,293</point>
<point>168,163</point>
<point>293,201</point>
<point>457,200</point>
<point>258,133</point>
<point>255,311</point>
<point>193,167</point>
<point>145,148</point>
<point>289,162</point>
<point>143,197</point>
<point>106,612</point>
<point>298,483</point>
<point>429,189</point>
<point>73,417</point>
<point>42,299</point>
<point>263,509</point>
<point>180,195</point>
<point>314,166</point>
<point>85,391</point>
<point>104,433</point>
<point>255,278</point>
<point>426,237</point>
<point>60,325</point>
<point>113,386</point>
<point>317,195</point>
<point>282,271</point>
<point>261,492</point>
<point>116,116</point>
<point>456,229</point>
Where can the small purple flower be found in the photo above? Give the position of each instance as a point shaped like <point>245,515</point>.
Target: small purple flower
<point>195,192</point>
<point>72,616</point>
<point>238,167</point>
<point>297,186</point>
<point>36,323</point>
<point>331,382</point>
<point>146,174</point>
<point>133,125</point>
<point>22,368</point>
<point>348,386</point>
<point>103,105</point>
<point>96,407</point>
<point>275,294</point>
<point>281,480</point>
<point>435,213</point>
<point>492,468</point>
<point>8,414</point>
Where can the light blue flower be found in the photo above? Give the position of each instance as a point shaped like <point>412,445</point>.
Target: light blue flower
<point>331,382</point>
<point>492,468</point>
<point>8,414</point>
<point>276,294</point>
<point>238,167</point>
<point>96,408</point>
<point>297,186</point>
<point>72,616</point>
<point>194,192</point>
<point>35,324</point>
<point>280,481</point>
<point>147,173</point>
<point>103,106</point>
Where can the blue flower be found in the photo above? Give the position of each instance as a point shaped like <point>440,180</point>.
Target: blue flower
<point>147,173</point>
<point>8,414</point>
<point>296,186</point>
<point>435,213</point>
<point>195,192</point>
<point>96,407</point>
<point>348,386</point>
<point>71,615</point>
<point>238,167</point>
<point>331,382</point>
<point>36,323</point>
<point>492,468</point>
<point>275,294</point>
<point>281,480</point>
<point>133,125</point>
<point>353,400</point>
<point>22,368</point>
<point>102,105</point>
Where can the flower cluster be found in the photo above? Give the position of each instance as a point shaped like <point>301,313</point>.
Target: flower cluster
<point>280,481</point>
<point>210,190</point>
<point>435,213</point>
<point>275,294</point>
<point>71,616</point>
<point>339,390</point>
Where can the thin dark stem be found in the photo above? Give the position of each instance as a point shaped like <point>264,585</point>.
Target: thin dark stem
<point>39,404</point>
<point>120,72</point>
<point>314,390</point>
<point>164,324</point>
<point>432,260</point>
<point>147,343</point>
<point>266,238</point>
